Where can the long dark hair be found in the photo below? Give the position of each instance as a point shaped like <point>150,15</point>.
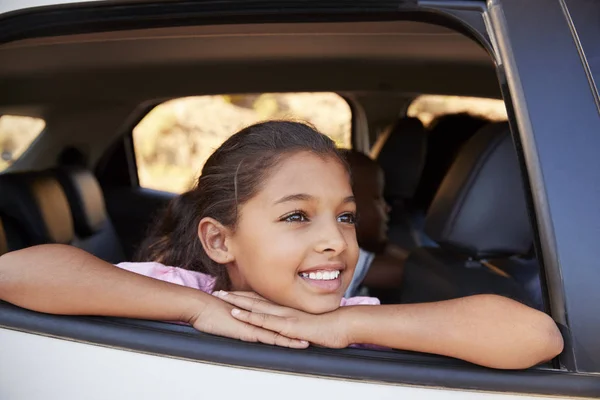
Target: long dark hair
<point>231,176</point>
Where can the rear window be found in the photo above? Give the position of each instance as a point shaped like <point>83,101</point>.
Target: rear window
<point>175,139</point>
<point>17,133</point>
<point>429,107</point>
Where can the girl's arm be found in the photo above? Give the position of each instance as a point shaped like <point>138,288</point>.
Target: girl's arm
<point>488,330</point>
<point>59,279</point>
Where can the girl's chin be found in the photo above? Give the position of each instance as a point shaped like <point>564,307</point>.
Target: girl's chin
<point>321,305</point>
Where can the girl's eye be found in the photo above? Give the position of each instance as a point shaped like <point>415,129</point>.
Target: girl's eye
<point>347,218</point>
<point>296,216</point>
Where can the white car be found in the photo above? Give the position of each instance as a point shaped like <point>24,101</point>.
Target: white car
<point>91,70</point>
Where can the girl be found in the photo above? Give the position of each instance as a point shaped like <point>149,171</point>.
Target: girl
<point>269,230</point>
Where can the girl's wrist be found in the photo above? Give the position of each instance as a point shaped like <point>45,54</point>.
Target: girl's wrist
<point>194,305</point>
<point>353,322</point>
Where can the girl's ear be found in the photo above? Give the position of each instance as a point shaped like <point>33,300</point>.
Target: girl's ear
<point>214,238</point>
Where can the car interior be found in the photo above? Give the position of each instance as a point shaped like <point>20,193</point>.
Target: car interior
<point>458,197</point>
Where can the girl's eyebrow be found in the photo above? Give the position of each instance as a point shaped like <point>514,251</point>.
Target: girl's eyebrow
<point>307,197</point>
<point>349,199</point>
<point>295,197</point>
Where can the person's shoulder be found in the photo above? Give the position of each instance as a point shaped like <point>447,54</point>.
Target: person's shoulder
<point>360,301</point>
<point>179,276</point>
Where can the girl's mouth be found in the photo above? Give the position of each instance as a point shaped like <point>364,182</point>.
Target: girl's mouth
<point>326,281</point>
<point>321,275</point>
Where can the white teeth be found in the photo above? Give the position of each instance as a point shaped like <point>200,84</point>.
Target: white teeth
<point>321,275</point>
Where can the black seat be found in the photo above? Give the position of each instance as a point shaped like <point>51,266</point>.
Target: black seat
<point>11,237</point>
<point>35,204</point>
<point>3,240</point>
<point>57,206</point>
<point>402,157</point>
<point>478,214</point>
<point>94,231</point>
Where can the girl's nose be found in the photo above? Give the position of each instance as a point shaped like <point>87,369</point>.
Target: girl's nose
<point>331,239</point>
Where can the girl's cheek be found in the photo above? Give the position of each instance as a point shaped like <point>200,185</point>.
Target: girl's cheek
<point>352,246</point>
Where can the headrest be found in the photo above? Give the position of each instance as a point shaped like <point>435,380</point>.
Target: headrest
<point>480,208</point>
<point>402,157</point>
<point>38,203</point>
<point>85,198</point>
<point>447,134</point>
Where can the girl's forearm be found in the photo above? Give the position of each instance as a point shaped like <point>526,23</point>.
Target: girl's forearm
<point>60,279</point>
<point>488,330</point>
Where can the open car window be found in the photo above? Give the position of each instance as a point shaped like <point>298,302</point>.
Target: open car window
<point>17,133</point>
<point>174,140</point>
<point>428,107</point>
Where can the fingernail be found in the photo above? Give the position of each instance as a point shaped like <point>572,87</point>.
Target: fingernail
<point>223,293</point>
<point>303,342</point>
<point>235,311</point>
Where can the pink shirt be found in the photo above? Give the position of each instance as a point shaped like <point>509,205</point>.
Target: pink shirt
<point>200,281</point>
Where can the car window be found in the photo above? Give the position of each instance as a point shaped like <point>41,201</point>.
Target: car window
<point>429,107</point>
<point>175,139</point>
<point>17,133</point>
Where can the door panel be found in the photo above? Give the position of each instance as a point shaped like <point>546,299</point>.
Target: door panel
<point>553,104</point>
<point>34,366</point>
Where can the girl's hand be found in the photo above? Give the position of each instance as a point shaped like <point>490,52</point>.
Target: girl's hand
<point>327,330</point>
<point>216,318</point>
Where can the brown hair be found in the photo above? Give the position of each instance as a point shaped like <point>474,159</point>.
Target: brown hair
<point>231,176</point>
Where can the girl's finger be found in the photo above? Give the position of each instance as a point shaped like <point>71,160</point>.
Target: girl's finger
<point>251,304</point>
<point>257,334</point>
<point>269,322</point>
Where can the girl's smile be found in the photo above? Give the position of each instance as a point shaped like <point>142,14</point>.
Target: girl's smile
<point>324,278</point>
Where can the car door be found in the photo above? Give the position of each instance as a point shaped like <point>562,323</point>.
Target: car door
<point>555,105</point>
<point>535,48</point>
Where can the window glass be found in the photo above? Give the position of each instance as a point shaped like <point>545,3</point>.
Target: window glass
<point>175,139</point>
<point>17,133</point>
<point>428,107</point>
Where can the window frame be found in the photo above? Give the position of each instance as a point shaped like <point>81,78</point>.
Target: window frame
<point>584,32</point>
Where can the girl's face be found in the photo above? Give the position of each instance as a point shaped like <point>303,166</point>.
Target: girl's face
<point>295,242</point>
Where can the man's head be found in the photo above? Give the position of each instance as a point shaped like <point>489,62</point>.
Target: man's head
<point>367,185</point>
